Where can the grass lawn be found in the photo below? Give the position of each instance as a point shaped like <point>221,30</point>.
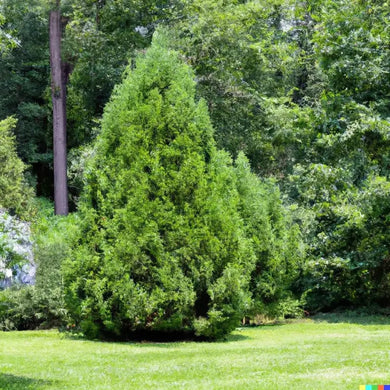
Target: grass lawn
<point>330,352</point>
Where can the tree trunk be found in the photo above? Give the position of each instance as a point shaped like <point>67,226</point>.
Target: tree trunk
<point>58,94</point>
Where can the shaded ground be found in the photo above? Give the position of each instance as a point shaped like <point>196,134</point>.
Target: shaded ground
<point>353,317</point>
<point>11,382</point>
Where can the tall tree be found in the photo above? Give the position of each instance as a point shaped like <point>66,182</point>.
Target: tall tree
<point>24,80</point>
<point>58,94</point>
<point>247,62</point>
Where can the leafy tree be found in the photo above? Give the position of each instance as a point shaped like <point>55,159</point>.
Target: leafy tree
<point>352,46</point>
<point>100,38</point>
<point>15,194</point>
<point>24,79</point>
<point>347,158</point>
<point>248,62</point>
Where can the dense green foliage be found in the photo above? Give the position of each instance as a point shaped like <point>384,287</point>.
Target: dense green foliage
<point>42,305</point>
<point>246,66</point>
<point>171,231</point>
<point>276,241</point>
<point>100,38</point>
<point>303,89</point>
<point>24,78</point>
<point>14,192</point>
<point>6,40</point>
<point>342,186</point>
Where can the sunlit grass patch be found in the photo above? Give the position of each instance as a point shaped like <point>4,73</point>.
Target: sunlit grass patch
<point>307,354</point>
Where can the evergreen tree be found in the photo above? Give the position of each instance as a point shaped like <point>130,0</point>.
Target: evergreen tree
<point>163,245</point>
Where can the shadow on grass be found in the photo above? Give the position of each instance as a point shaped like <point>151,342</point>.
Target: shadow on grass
<point>236,337</point>
<point>13,382</point>
<point>352,317</point>
<point>158,339</point>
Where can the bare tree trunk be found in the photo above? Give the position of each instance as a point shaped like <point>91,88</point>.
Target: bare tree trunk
<point>59,115</point>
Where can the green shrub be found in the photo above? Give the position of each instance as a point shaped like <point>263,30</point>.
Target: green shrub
<point>17,311</point>
<point>27,307</point>
<point>348,262</point>
<point>43,304</point>
<point>53,236</point>
<point>276,240</point>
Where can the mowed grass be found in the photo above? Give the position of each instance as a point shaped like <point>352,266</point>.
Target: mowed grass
<point>325,353</point>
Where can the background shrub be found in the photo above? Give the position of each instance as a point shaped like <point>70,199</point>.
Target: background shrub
<point>276,241</point>
<point>42,304</point>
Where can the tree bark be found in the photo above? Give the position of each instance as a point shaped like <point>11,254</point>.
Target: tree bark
<point>58,93</point>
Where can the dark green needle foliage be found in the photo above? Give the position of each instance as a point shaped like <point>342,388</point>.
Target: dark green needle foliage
<point>163,246</point>
<point>275,239</point>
